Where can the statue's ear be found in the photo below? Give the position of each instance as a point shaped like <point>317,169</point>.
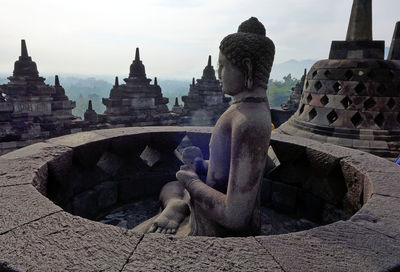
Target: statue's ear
<point>248,66</point>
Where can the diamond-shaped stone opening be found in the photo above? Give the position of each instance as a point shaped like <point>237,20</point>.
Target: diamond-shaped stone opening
<point>324,100</point>
<point>312,114</point>
<point>150,156</point>
<point>301,109</point>
<point>381,89</point>
<point>307,84</point>
<point>309,98</point>
<point>391,103</point>
<point>337,87</point>
<point>332,117</point>
<point>348,75</point>
<point>379,119</point>
<point>356,119</point>
<point>314,73</point>
<point>369,103</point>
<point>359,88</point>
<point>346,102</point>
<point>318,85</point>
<point>371,75</point>
<point>327,73</point>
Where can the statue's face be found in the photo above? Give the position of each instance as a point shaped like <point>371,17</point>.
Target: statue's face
<point>231,77</point>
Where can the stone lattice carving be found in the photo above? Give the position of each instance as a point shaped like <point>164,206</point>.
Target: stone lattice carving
<point>353,98</point>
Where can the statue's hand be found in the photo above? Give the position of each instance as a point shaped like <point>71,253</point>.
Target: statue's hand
<point>186,175</point>
<point>201,166</point>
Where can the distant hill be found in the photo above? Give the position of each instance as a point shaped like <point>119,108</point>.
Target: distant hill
<point>293,67</point>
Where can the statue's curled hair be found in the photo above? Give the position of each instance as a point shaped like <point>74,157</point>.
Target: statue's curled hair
<point>250,42</point>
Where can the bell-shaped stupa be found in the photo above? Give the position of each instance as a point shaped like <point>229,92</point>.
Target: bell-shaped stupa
<point>353,98</point>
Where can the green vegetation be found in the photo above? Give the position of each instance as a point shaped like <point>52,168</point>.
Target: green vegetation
<point>83,89</point>
<point>279,91</point>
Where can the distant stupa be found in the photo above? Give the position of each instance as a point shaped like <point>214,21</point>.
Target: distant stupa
<point>137,102</point>
<point>205,101</point>
<point>353,99</point>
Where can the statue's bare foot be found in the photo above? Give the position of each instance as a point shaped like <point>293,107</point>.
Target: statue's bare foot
<point>169,219</point>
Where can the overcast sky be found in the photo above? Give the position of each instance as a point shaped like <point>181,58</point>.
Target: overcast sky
<point>175,37</point>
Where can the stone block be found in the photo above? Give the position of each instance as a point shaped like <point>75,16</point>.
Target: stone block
<point>381,214</point>
<point>64,242</point>
<point>19,171</point>
<point>22,204</point>
<point>387,184</point>
<point>284,197</point>
<point>107,194</point>
<point>330,188</point>
<point>85,204</point>
<point>110,163</point>
<point>166,142</point>
<point>364,162</point>
<point>310,206</point>
<point>287,149</point>
<point>170,253</point>
<point>130,189</point>
<point>266,191</point>
<point>342,246</point>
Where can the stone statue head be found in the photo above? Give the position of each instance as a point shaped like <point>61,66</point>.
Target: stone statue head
<point>245,58</point>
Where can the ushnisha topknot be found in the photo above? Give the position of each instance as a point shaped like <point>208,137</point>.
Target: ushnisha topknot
<point>250,42</point>
<point>252,25</point>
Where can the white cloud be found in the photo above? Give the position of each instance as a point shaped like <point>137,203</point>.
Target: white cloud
<point>175,36</point>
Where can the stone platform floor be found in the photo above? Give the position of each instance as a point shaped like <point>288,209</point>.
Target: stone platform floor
<point>272,222</point>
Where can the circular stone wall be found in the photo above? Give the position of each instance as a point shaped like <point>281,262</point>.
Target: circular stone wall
<point>39,235</point>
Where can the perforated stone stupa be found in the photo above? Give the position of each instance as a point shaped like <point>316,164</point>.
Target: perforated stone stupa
<point>137,102</point>
<point>353,98</point>
<point>205,102</point>
<point>31,109</point>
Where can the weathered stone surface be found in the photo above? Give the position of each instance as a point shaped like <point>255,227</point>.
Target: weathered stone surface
<point>168,253</point>
<point>17,172</point>
<point>364,163</point>
<point>22,204</point>
<point>387,184</point>
<point>67,243</point>
<point>342,246</point>
<point>381,214</point>
<point>77,139</point>
<point>32,163</point>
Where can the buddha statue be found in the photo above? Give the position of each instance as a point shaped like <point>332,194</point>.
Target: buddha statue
<point>227,202</point>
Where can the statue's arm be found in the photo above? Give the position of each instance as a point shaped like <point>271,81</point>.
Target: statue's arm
<point>248,155</point>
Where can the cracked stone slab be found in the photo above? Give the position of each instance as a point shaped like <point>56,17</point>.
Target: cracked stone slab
<point>387,184</point>
<point>381,214</point>
<point>158,252</point>
<point>342,246</point>
<point>30,164</point>
<point>62,242</point>
<point>18,172</point>
<point>22,204</point>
